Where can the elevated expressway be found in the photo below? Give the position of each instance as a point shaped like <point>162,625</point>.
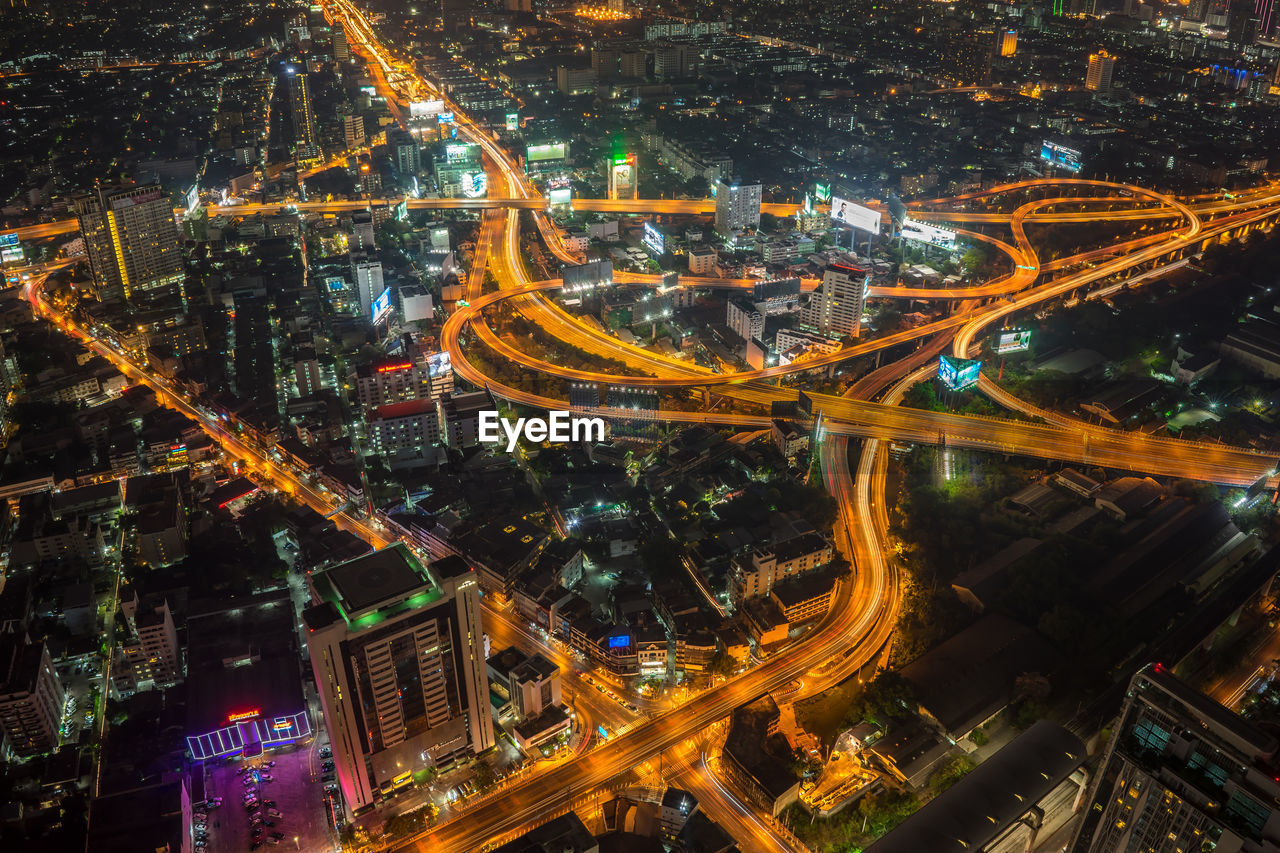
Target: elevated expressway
<point>862,617</point>
<point>857,626</point>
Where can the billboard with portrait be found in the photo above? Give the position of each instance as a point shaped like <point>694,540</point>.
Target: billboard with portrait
<point>856,216</point>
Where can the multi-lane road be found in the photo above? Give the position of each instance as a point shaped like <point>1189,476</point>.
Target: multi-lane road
<point>862,617</point>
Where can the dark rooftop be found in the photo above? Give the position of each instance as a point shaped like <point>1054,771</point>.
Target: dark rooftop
<point>978,808</point>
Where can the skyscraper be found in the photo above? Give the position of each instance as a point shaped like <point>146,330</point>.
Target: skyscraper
<point>1098,79</point>
<point>131,241</point>
<point>737,206</point>
<point>1008,41</point>
<point>837,306</point>
<point>341,49</point>
<point>398,655</point>
<point>369,284</point>
<point>304,123</point>
<point>1180,774</point>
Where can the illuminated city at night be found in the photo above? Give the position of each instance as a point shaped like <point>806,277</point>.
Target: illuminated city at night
<point>609,426</point>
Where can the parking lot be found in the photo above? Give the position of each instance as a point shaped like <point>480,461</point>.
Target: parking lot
<point>291,800</point>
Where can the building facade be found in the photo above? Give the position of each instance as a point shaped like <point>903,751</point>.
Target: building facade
<point>131,242</point>
<point>1181,773</point>
<point>398,656</point>
<point>737,206</point>
<point>31,697</point>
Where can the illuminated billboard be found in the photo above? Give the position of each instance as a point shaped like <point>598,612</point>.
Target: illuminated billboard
<point>931,235</point>
<point>460,152</point>
<point>474,184</point>
<point>622,177</point>
<point>958,373</point>
<point>513,121</point>
<point>439,364</point>
<point>400,212</point>
<point>1060,155</point>
<point>381,306</point>
<point>11,255</point>
<point>445,118</point>
<point>546,151</point>
<point>822,192</point>
<point>425,109</point>
<point>1013,340</point>
<point>653,239</point>
<point>8,241</point>
<point>855,215</point>
<point>560,198</point>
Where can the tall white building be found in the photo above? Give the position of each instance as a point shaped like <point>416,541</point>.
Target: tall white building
<point>369,284</point>
<point>398,655</point>
<point>1098,79</point>
<point>836,308</point>
<point>737,206</point>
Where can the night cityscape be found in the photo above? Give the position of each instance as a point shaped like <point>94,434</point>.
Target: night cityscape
<point>640,426</point>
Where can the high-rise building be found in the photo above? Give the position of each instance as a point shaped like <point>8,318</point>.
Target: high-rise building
<point>31,696</point>
<point>1180,774</point>
<point>398,655</point>
<point>154,651</point>
<point>1101,65</point>
<point>381,383</point>
<point>369,284</point>
<point>737,206</point>
<point>969,57</point>
<point>131,241</point>
<point>341,49</point>
<point>1008,41</point>
<point>837,306</point>
<point>304,122</point>
<point>353,130</point>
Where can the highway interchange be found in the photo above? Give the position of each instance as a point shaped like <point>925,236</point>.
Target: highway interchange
<point>855,632</point>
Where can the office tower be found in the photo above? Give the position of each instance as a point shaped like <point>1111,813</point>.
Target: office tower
<point>341,50</point>
<point>737,206</point>
<point>369,284</point>
<point>407,153</point>
<point>1180,774</point>
<point>31,696</point>
<point>131,241</point>
<point>304,122</point>
<point>838,305</point>
<point>398,655</point>
<point>1008,41</point>
<point>1101,64</point>
<point>353,131</point>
